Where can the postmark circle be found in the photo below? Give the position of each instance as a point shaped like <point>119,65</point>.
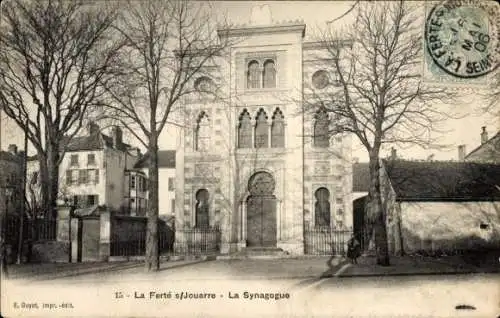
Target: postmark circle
<point>462,38</point>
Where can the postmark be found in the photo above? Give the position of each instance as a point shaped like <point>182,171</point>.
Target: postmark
<point>462,38</point>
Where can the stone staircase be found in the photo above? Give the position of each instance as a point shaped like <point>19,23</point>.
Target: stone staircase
<point>257,253</point>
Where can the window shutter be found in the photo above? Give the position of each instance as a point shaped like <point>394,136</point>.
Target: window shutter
<point>69,178</point>
<point>81,176</point>
<point>96,180</point>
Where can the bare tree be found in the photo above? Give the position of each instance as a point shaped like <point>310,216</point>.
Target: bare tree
<point>54,55</point>
<point>166,43</point>
<point>376,92</point>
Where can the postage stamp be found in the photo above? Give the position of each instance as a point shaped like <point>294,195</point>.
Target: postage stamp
<point>461,40</point>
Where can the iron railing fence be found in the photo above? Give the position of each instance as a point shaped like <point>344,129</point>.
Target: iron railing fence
<point>186,242</point>
<point>33,229</point>
<point>197,241</point>
<point>326,241</point>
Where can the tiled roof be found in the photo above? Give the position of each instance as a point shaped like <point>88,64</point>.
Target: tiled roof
<point>94,141</point>
<point>493,142</point>
<point>166,159</point>
<point>90,142</point>
<point>360,177</point>
<point>444,180</point>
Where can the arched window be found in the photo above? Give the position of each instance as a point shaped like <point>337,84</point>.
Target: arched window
<point>245,130</point>
<point>202,140</point>
<point>202,208</point>
<point>322,208</point>
<point>321,129</point>
<point>261,130</point>
<point>269,74</point>
<point>253,75</point>
<point>278,129</point>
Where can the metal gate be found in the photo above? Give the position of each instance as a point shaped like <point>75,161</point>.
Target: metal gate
<point>326,241</point>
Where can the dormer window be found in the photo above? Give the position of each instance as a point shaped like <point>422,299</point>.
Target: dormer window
<point>74,160</point>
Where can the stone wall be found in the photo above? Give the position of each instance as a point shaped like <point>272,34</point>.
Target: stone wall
<point>434,227</point>
<point>127,228</point>
<point>50,252</point>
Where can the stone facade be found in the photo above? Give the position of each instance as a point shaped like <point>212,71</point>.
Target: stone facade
<point>218,168</point>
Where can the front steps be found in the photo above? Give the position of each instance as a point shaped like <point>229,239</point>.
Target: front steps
<point>257,253</point>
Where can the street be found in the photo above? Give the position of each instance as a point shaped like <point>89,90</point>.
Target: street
<point>273,288</point>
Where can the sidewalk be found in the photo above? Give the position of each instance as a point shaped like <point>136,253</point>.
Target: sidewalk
<point>269,269</point>
<point>48,271</point>
<point>411,265</point>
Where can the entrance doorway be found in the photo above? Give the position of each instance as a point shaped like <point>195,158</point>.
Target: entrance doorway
<point>261,211</point>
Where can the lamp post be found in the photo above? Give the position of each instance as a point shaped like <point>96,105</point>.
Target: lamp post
<point>7,192</point>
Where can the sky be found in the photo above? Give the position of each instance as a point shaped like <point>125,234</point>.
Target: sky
<point>315,14</point>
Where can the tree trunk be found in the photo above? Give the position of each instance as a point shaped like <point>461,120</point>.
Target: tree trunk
<point>376,212</point>
<point>53,178</point>
<point>44,184</point>
<point>152,255</point>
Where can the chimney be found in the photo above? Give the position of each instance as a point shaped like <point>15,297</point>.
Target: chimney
<point>484,135</point>
<point>117,136</point>
<point>393,154</point>
<point>13,149</point>
<point>92,128</point>
<point>461,152</point>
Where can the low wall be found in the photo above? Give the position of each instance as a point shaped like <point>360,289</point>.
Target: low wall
<point>128,236</point>
<point>127,228</point>
<point>449,226</point>
<point>50,252</point>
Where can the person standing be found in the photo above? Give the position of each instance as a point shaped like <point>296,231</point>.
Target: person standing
<point>353,249</point>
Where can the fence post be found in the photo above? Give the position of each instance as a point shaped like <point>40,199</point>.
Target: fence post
<point>105,235</point>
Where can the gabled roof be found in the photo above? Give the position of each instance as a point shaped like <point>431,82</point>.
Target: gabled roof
<point>95,141</point>
<point>443,180</point>
<point>166,159</point>
<point>360,177</point>
<point>492,144</point>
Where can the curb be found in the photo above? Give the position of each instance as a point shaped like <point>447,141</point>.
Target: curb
<point>468,272</point>
<point>112,259</point>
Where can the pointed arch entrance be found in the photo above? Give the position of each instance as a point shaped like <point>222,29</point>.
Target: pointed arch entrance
<point>261,211</point>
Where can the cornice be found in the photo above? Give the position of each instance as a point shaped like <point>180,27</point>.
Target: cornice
<point>252,30</point>
<point>324,45</point>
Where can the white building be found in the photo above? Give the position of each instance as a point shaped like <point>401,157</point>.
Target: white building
<point>254,162</point>
<point>166,179</point>
<point>94,170</point>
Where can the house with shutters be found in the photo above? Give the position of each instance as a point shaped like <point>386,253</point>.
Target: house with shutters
<point>166,179</point>
<point>253,163</point>
<point>97,170</point>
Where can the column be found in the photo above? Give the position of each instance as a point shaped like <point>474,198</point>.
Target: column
<point>244,222</point>
<point>279,220</point>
